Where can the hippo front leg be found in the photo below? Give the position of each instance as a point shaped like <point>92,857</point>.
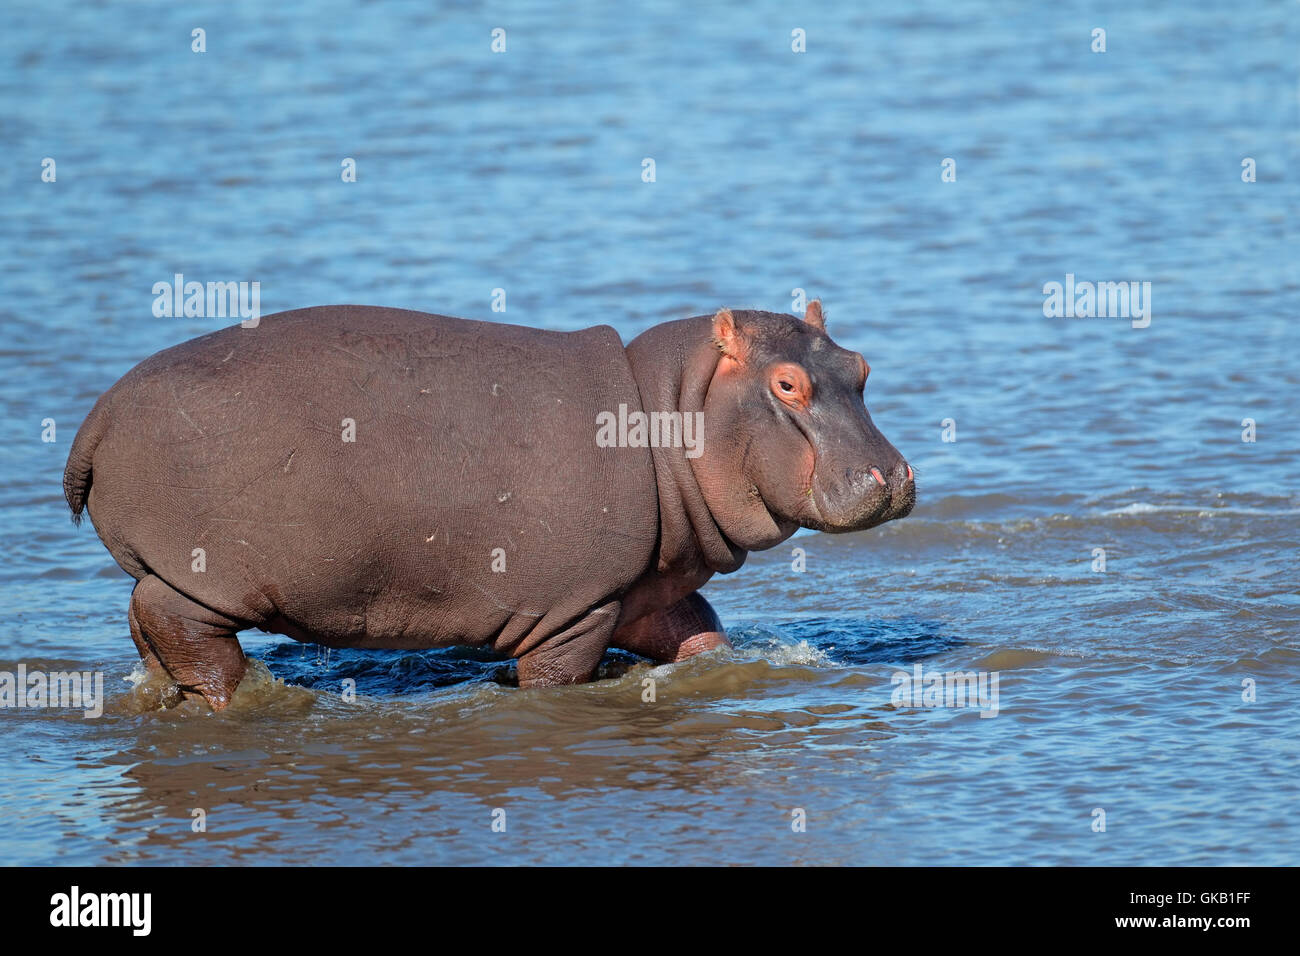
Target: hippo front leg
<point>676,632</point>
<point>572,655</point>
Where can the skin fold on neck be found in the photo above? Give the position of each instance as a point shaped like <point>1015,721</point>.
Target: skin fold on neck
<point>673,364</point>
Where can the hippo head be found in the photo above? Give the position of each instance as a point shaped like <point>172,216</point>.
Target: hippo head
<point>788,441</point>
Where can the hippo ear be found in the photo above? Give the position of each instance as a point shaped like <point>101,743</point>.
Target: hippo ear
<point>728,336</point>
<point>813,315</point>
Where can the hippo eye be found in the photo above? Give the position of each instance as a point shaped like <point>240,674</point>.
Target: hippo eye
<point>790,384</point>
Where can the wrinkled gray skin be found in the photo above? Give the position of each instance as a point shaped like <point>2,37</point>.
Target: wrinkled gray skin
<point>474,505</point>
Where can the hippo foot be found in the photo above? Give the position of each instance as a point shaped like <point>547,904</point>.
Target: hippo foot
<point>676,632</point>
<point>195,645</point>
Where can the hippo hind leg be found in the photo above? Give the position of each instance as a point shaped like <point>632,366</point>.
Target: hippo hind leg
<point>137,635</point>
<point>674,633</point>
<point>195,645</point>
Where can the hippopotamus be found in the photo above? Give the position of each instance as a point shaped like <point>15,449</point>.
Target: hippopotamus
<point>369,477</point>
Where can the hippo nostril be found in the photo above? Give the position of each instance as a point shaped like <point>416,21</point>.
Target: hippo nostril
<point>875,473</point>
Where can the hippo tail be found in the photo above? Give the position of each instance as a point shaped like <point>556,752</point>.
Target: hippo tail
<point>78,474</point>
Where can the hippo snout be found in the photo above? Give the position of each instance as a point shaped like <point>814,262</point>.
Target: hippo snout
<point>864,497</point>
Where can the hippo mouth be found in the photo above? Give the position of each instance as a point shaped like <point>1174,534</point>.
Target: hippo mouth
<point>861,499</point>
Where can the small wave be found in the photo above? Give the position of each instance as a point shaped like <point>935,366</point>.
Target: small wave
<point>1001,509</point>
<point>800,653</point>
<point>260,690</point>
<point>1013,658</point>
<point>1146,508</point>
<point>973,505</point>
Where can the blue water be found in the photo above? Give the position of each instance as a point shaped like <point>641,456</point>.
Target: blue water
<point>1120,690</point>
